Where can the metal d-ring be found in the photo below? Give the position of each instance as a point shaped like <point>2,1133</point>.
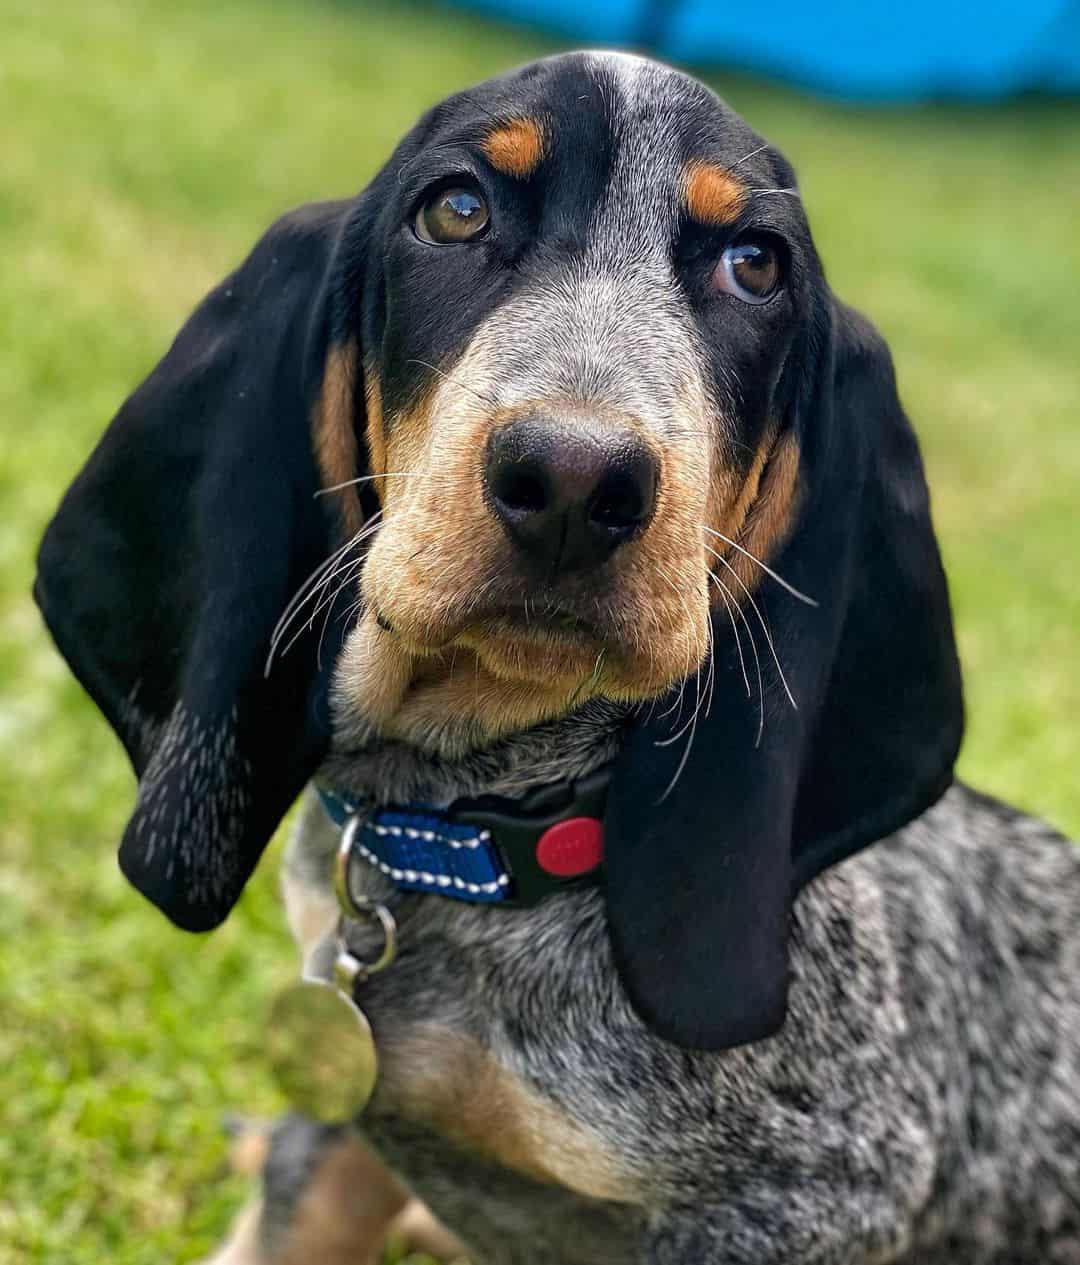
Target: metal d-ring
<point>375,909</point>
<point>342,863</point>
<point>362,908</point>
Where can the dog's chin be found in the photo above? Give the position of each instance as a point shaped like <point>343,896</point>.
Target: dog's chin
<point>555,654</point>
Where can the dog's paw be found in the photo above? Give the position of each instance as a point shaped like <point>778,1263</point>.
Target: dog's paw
<point>415,1229</point>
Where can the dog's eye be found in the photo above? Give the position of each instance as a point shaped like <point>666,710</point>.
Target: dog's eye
<point>455,214</point>
<point>750,270</point>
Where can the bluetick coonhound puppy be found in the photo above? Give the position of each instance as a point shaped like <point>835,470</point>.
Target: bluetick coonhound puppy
<point>598,486</point>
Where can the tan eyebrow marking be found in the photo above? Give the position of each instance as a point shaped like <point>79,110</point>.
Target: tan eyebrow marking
<point>713,195</point>
<point>516,148</point>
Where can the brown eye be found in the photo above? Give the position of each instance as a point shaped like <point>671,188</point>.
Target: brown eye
<point>750,271</point>
<point>456,214</point>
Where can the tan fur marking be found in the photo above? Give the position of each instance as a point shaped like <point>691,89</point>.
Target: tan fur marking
<point>375,432</point>
<point>713,195</point>
<point>344,1213</point>
<point>334,432</point>
<point>352,1204</point>
<point>484,707</point>
<point>516,148</point>
<point>762,517</point>
<point>248,1152</point>
<point>771,517</point>
<point>442,681</point>
<point>376,669</point>
<point>452,1083</point>
<point>732,494</point>
<point>415,1229</point>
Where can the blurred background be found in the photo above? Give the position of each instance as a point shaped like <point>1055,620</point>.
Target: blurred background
<point>144,144</point>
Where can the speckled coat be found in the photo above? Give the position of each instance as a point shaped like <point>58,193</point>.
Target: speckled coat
<point>921,1104</point>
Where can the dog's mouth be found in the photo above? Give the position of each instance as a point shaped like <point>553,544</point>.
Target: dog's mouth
<point>522,620</point>
<point>526,642</point>
<point>543,622</point>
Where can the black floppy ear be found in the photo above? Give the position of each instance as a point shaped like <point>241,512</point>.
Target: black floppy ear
<point>700,881</point>
<point>174,553</point>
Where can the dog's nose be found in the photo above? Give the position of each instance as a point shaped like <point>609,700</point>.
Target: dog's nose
<point>569,492</point>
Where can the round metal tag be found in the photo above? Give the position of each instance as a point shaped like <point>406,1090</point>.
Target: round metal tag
<point>321,1051</point>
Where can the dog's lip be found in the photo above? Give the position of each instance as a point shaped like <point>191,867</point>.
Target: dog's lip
<point>506,622</point>
<point>543,619</point>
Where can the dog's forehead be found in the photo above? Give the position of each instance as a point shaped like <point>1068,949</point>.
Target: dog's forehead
<point>645,94</point>
<point>635,122</point>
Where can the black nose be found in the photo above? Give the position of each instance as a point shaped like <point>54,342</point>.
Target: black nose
<point>570,491</point>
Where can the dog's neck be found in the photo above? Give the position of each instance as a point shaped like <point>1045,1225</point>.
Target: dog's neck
<point>390,772</point>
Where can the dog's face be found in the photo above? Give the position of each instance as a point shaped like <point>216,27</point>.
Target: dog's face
<point>581,289</point>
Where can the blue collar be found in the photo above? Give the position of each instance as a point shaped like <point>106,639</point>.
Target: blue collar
<point>489,849</point>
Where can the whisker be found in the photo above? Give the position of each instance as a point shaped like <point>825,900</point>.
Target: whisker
<point>486,588</point>
<point>351,610</point>
<point>682,686</point>
<point>325,603</point>
<point>367,478</point>
<point>489,400</point>
<point>784,584</point>
<point>726,594</point>
<point>761,620</point>
<point>589,681</point>
<point>738,639</point>
<point>302,594</point>
<point>710,659</point>
<point>329,604</point>
<point>746,157</point>
<point>682,762</point>
<point>327,564</point>
<point>667,742</point>
<point>314,586</point>
<point>652,701</point>
<point>318,590</point>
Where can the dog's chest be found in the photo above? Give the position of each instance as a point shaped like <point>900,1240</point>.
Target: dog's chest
<point>498,1097</point>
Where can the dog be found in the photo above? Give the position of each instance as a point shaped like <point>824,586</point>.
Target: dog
<point>545,486</point>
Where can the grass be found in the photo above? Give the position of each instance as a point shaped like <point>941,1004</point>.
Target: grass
<point>145,145</point>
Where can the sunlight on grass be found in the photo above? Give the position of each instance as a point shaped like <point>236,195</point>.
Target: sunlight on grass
<point>145,146</point>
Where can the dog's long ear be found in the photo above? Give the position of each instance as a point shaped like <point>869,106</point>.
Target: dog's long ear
<point>176,550</point>
<point>700,881</point>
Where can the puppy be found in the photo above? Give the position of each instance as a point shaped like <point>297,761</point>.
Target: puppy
<point>540,495</point>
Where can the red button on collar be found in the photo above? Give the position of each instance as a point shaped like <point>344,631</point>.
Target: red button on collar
<point>571,847</point>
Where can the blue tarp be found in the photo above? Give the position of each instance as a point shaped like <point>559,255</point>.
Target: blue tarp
<point>867,49</point>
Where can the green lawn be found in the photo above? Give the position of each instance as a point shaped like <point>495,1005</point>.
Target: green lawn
<point>144,145</point>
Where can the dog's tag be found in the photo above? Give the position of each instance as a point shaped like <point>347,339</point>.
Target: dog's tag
<point>321,1051</point>
<point>320,1047</point>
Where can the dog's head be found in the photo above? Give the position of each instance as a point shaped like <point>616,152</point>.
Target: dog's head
<point>559,408</point>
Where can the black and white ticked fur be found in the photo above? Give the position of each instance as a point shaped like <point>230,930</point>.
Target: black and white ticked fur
<point>920,1105</point>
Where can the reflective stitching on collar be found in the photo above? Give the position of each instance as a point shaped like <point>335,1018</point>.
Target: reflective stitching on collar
<point>433,880</point>
<point>429,836</point>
